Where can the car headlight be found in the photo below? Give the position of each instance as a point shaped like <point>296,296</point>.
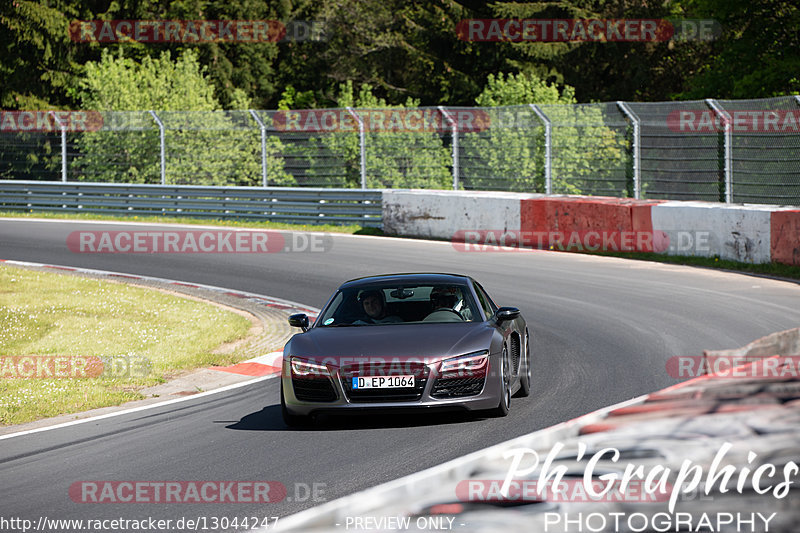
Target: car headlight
<point>469,364</point>
<point>303,368</point>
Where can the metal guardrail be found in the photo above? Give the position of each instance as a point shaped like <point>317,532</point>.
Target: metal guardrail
<point>278,204</point>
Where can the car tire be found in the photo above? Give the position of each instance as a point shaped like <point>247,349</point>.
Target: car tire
<point>292,420</point>
<point>505,386</point>
<point>526,378</point>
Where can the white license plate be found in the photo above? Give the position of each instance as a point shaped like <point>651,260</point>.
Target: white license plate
<point>383,382</point>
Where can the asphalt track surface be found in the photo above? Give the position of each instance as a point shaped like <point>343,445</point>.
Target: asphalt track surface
<point>602,329</point>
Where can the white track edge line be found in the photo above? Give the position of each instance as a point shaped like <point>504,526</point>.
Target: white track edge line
<point>231,228</point>
<point>137,409</point>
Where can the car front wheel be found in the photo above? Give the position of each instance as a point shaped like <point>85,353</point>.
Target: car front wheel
<point>526,378</point>
<point>505,386</point>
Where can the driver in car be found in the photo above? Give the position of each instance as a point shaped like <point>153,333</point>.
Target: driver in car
<point>374,304</point>
<point>448,299</point>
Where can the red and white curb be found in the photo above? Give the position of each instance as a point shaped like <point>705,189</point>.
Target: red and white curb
<point>263,365</point>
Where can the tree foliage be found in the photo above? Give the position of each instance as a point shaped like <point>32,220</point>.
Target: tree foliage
<point>37,59</point>
<point>410,49</point>
<point>757,54</point>
<point>398,157</point>
<point>510,154</point>
<point>204,145</point>
<point>383,54</point>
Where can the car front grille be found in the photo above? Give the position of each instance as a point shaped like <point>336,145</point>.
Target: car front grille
<point>318,389</point>
<point>418,370</point>
<point>457,387</point>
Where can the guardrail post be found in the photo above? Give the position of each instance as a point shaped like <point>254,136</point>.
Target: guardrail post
<point>637,166</point>
<point>63,146</point>
<point>363,145</point>
<point>548,147</point>
<point>454,132</point>
<point>263,147</point>
<point>163,156</point>
<point>725,117</point>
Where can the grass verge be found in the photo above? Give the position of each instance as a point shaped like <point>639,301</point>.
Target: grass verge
<point>244,223</point>
<point>139,337</point>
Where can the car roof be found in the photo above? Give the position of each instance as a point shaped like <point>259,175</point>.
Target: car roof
<point>409,278</point>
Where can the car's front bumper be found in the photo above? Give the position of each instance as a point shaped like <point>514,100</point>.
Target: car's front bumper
<point>343,399</point>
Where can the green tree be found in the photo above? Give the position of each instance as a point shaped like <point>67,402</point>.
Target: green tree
<point>204,145</point>
<point>402,49</point>
<point>605,70</point>
<point>756,56</point>
<point>37,58</point>
<point>230,66</point>
<point>510,155</point>
<point>399,157</point>
<point>37,65</point>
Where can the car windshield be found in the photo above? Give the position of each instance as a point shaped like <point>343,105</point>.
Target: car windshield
<point>400,304</point>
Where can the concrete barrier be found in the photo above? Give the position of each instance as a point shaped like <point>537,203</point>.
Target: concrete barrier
<point>785,236</point>
<point>441,214</point>
<point>573,215</point>
<point>734,232</point>
<point>780,343</point>
<point>743,233</point>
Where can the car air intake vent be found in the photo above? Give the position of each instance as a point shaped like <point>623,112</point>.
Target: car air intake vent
<point>515,353</point>
<point>457,387</point>
<point>314,390</point>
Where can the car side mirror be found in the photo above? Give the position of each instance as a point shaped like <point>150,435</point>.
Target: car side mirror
<point>299,320</point>
<point>504,314</point>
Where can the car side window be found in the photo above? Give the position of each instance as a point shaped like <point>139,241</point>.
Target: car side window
<point>485,301</point>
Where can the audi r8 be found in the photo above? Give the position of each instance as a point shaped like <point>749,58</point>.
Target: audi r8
<point>406,342</point>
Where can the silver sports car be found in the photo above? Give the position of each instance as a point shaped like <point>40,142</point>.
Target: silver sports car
<point>406,341</point>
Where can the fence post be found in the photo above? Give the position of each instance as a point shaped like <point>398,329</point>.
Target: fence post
<point>63,146</point>
<point>163,153</point>
<point>548,147</point>
<point>454,132</point>
<point>637,165</point>
<point>725,117</point>
<point>263,147</point>
<point>363,144</point>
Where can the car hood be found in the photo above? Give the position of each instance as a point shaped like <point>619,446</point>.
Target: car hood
<point>429,341</point>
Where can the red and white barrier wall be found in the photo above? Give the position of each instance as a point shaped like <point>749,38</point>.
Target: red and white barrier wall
<point>744,233</point>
